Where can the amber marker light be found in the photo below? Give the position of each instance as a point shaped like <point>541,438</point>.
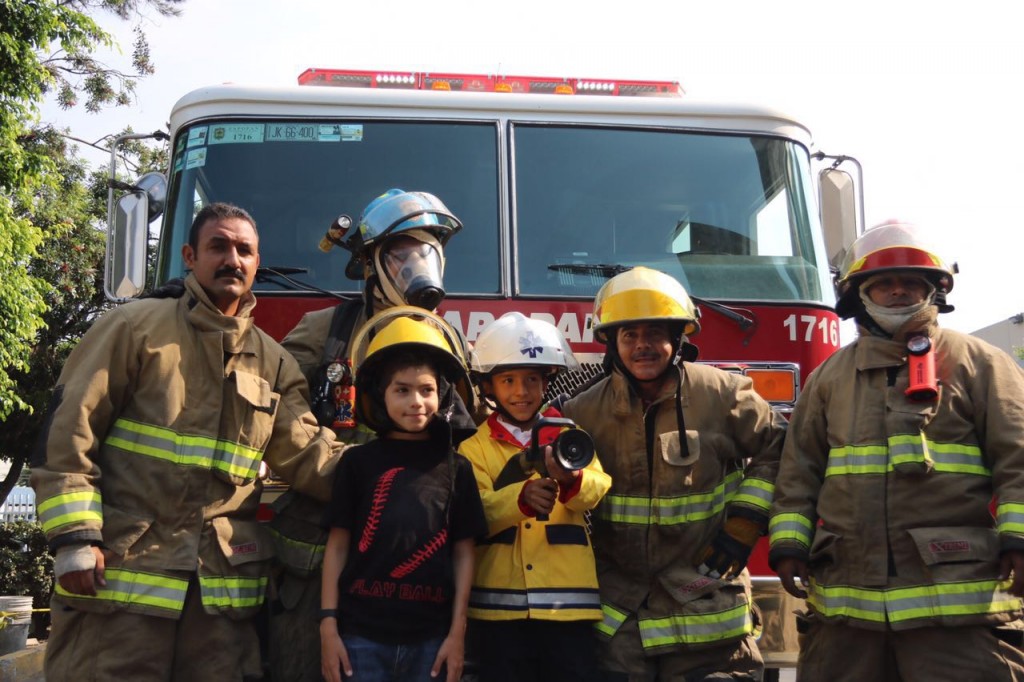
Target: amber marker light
<point>775,385</point>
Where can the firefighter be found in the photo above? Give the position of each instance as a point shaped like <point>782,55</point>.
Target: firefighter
<point>147,473</point>
<point>535,597</point>
<point>693,453</point>
<point>898,445</point>
<point>397,248</point>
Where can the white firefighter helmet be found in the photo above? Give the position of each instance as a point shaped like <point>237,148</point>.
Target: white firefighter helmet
<point>514,340</point>
<point>892,245</point>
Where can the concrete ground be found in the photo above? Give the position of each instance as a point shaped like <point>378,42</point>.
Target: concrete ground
<point>25,665</point>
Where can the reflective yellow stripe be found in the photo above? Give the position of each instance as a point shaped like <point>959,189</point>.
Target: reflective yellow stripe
<point>697,628</point>
<point>791,526</point>
<point>612,619</point>
<point>139,589</point>
<point>954,458</point>
<point>292,552</point>
<point>857,459</point>
<point>184,450</point>
<point>67,508</point>
<point>755,492</point>
<point>903,604</point>
<point>909,450</point>
<point>669,511</point>
<point>232,591</point>
<point>1010,517</point>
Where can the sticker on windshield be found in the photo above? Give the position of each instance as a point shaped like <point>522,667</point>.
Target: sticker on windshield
<point>179,160</point>
<point>179,146</point>
<point>196,158</point>
<point>328,132</point>
<point>233,133</point>
<point>197,137</point>
<point>352,133</point>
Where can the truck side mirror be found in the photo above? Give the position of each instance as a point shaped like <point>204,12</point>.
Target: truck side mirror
<point>838,195</point>
<point>128,236</point>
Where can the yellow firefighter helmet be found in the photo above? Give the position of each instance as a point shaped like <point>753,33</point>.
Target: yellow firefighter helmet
<point>643,295</point>
<point>406,328</point>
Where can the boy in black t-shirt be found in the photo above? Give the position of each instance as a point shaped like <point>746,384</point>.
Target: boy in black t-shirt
<point>403,514</point>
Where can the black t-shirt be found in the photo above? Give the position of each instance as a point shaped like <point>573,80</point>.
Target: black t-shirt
<point>392,495</point>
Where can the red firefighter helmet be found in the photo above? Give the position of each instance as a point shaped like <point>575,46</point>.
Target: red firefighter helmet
<point>892,245</point>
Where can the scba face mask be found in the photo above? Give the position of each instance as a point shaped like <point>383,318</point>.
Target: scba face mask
<point>411,269</point>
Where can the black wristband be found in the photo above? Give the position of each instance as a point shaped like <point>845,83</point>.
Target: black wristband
<point>328,613</point>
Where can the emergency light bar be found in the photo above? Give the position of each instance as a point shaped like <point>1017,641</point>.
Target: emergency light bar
<point>411,80</point>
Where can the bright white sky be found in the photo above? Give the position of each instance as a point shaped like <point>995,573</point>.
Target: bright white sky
<point>927,98</point>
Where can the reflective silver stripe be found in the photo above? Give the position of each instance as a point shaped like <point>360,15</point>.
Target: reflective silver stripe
<point>511,600</point>
<point>611,620</point>
<point>518,600</point>
<point>791,526</point>
<point>73,507</point>
<point>756,493</point>
<point>578,598</point>
<point>232,591</point>
<point>696,628</point>
<point>625,509</point>
<point>908,448</point>
<point>141,589</point>
<point>958,458</point>
<point>1010,517</point>
<point>903,604</point>
<point>855,602</point>
<point>857,459</point>
<point>669,511</point>
<point>185,450</point>
<point>955,458</point>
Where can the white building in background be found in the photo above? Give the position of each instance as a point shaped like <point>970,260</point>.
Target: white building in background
<point>1008,335</point>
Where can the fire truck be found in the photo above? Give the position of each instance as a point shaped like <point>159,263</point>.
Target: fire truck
<point>561,183</point>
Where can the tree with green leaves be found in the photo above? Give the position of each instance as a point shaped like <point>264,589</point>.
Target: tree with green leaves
<point>47,47</point>
<point>52,207</point>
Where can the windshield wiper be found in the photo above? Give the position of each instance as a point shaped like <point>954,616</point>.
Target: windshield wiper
<point>739,318</point>
<point>612,269</point>
<point>273,274</point>
<point>605,269</point>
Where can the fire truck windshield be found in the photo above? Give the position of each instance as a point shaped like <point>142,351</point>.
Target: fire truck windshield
<point>730,216</point>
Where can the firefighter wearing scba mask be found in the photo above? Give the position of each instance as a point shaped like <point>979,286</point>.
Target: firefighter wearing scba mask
<point>693,453</point>
<point>898,445</point>
<point>397,247</point>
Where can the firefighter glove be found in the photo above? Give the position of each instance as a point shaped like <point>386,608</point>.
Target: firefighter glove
<point>727,554</point>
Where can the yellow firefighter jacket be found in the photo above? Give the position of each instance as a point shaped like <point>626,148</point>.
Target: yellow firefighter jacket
<point>889,500</point>
<point>159,423</point>
<point>542,570</point>
<point>664,508</point>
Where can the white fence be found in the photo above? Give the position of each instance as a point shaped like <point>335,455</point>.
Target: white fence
<point>20,504</point>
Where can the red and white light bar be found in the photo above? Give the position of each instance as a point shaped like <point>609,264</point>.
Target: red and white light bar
<point>411,80</point>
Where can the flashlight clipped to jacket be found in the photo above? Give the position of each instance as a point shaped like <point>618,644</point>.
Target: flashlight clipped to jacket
<point>924,386</point>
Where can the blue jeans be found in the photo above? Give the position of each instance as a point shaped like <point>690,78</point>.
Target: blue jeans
<point>377,662</point>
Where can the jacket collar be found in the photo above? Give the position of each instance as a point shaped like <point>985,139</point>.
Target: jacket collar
<point>623,396</point>
<point>204,316</point>
<point>500,433</point>
<point>879,351</point>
